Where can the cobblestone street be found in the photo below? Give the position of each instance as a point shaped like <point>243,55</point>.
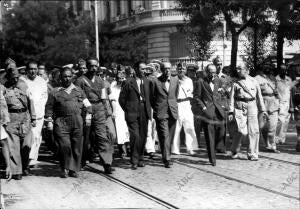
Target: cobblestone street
<point>271,182</point>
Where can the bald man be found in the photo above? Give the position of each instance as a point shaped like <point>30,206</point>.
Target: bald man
<point>207,105</point>
<point>163,100</point>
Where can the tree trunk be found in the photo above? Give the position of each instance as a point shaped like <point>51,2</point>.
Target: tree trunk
<point>280,42</point>
<point>234,49</point>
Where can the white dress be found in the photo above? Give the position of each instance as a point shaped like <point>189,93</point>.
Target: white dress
<point>121,125</point>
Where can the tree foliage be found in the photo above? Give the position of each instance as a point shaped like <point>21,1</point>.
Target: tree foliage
<point>47,31</point>
<point>126,48</point>
<point>29,28</point>
<point>238,14</point>
<point>258,50</point>
<point>199,28</point>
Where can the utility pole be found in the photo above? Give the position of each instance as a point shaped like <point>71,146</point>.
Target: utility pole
<point>224,38</point>
<point>96,30</point>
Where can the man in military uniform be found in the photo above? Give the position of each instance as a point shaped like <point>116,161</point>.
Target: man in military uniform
<point>268,86</point>
<point>245,103</point>
<point>94,89</point>
<point>22,118</point>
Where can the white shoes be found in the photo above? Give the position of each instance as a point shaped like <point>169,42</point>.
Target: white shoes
<point>234,156</point>
<point>190,152</point>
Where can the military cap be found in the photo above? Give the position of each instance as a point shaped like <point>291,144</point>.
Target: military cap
<point>9,63</point>
<point>68,66</point>
<point>21,68</point>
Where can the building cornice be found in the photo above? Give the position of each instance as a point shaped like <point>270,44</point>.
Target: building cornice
<point>149,18</point>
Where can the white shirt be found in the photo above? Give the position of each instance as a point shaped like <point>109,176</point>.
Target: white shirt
<point>139,82</point>
<point>39,94</point>
<point>167,84</point>
<point>212,85</point>
<point>186,88</point>
<point>284,87</point>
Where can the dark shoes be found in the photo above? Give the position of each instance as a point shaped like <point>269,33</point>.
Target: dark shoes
<point>298,147</point>
<point>213,163</point>
<point>167,164</point>
<point>140,164</point>
<point>151,155</point>
<point>272,150</point>
<point>26,172</point>
<point>17,177</point>
<point>222,151</point>
<point>108,169</point>
<point>64,173</point>
<point>73,174</point>
<point>134,166</point>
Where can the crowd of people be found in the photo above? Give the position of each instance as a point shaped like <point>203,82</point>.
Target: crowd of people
<point>81,111</point>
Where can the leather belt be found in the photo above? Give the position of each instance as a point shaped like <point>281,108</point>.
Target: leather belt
<point>244,99</point>
<point>268,95</point>
<point>183,100</point>
<point>17,110</point>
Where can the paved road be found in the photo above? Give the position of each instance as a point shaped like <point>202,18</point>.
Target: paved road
<point>271,182</point>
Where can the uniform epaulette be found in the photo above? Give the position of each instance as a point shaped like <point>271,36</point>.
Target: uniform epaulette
<point>77,88</point>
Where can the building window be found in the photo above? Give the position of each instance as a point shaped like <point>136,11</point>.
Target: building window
<point>129,6</point>
<point>107,5</point>
<point>147,4</point>
<point>178,46</point>
<point>118,7</point>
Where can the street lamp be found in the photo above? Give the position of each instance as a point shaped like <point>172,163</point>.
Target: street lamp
<point>96,30</point>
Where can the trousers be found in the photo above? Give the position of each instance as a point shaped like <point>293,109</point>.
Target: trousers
<point>137,135</point>
<point>68,133</point>
<point>151,136</point>
<point>268,131</point>
<point>165,130</point>
<point>185,119</point>
<point>103,143</point>
<point>19,141</point>
<point>283,121</point>
<point>37,139</point>
<point>213,133</point>
<point>247,128</point>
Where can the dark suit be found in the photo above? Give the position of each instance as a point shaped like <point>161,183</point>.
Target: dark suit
<point>207,105</point>
<point>136,104</point>
<point>165,112</point>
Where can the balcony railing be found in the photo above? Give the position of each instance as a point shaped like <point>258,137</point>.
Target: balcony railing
<point>152,16</point>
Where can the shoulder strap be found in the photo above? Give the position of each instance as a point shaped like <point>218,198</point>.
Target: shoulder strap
<point>245,89</point>
<point>89,85</point>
